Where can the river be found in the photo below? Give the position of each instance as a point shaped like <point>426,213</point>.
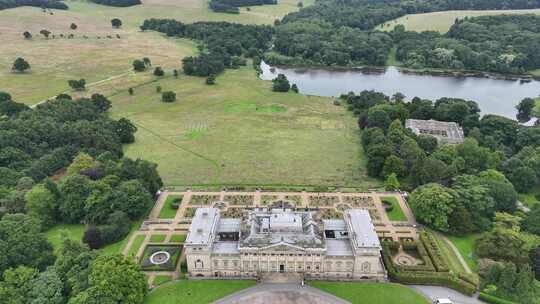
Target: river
<point>494,96</point>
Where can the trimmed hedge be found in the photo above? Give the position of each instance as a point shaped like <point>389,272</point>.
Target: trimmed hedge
<point>493,299</point>
<point>433,251</point>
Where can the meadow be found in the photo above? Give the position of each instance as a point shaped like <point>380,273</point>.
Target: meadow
<point>442,21</point>
<point>236,132</point>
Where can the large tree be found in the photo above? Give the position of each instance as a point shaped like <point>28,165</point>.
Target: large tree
<point>432,204</point>
<point>114,279</point>
<point>20,65</point>
<point>41,204</point>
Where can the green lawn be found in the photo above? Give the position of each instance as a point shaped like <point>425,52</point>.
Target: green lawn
<point>137,242</point>
<point>372,293</point>
<point>396,214</point>
<point>178,238</point>
<point>465,246</point>
<point>160,279</point>
<point>74,232</point>
<point>167,211</point>
<point>195,292</point>
<point>157,238</point>
<point>442,21</point>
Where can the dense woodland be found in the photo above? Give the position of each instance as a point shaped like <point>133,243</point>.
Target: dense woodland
<point>5,4</point>
<point>504,43</point>
<point>62,162</point>
<point>222,44</point>
<point>341,33</point>
<point>463,188</point>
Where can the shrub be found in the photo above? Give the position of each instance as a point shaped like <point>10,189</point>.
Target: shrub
<point>211,80</point>
<point>158,71</point>
<point>77,85</point>
<point>168,96</point>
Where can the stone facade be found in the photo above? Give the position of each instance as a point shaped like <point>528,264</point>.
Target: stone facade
<point>283,241</point>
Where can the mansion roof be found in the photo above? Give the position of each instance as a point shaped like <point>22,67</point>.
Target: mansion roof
<point>448,132</point>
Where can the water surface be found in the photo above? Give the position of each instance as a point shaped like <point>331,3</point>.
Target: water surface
<point>494,96</point>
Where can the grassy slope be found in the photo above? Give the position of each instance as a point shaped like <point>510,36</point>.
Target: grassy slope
<point>372,293</point>
<point>245,133</point>
<point>465,246</point>
<point>441,21</point>
<point>55,61</point>
<point>195,292</point>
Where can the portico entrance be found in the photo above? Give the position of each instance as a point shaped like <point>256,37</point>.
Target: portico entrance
<point>281,268</point>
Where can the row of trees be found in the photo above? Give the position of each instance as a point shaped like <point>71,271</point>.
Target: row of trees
<point>222,44</point>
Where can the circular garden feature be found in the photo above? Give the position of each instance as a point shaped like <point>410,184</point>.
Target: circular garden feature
<point>160,257</point>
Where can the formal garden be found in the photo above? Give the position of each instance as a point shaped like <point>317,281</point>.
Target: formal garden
<point>422,261</point>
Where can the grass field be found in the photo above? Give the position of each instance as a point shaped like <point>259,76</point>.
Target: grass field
<point>465,246</point>
<point>246,134</point>
<point>396,214</point>
<point>195,292</point>
<point>160,279</point>
<point>372,293</point>
<point>441,21</point>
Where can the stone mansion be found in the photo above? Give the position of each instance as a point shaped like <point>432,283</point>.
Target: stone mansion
<point>283,241</point>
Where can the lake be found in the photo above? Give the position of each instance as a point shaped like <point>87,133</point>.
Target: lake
<point>494,96</point>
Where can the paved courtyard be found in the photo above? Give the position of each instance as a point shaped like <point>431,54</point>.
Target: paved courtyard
<point>281,294</point>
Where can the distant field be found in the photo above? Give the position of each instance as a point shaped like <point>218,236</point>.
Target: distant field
<point>55,61</point>
<point>240,132</point>
<point>441,21</point>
